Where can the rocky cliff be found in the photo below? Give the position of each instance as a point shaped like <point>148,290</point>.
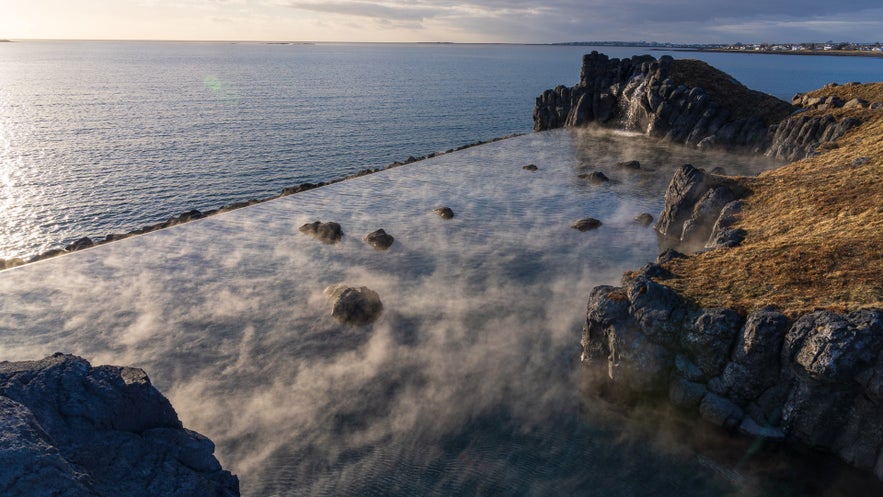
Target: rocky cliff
<point>70,429</point>
<point>684,101</point>
<point>699,328</point>
<point>817,380</point>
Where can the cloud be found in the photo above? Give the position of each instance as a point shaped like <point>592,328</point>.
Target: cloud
<point>373,10</point>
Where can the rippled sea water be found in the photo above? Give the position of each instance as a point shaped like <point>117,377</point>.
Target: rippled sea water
<point>101,137</point>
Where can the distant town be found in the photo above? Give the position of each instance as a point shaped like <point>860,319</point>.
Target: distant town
<point>810,48</point>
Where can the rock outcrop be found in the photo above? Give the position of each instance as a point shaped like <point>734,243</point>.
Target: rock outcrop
<point>690,102</point>
<point>699,211</point>
<point>817,380</point>
<point>70,429</point>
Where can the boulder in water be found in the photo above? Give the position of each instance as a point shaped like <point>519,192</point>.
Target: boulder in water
<point>586,224</point>
<point>444,212</point>
<point>354,305</point>
<point>329,232</point>
<point>380,239</point>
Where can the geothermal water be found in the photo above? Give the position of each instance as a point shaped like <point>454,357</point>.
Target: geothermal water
<point>468,384</point>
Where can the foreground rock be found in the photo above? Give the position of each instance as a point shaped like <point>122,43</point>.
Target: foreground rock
<point>816,380</point>
<point>70,429</point>
<point>354,305</point>
<point>328,233</point>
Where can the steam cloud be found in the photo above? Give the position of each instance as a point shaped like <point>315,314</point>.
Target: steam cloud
<point>466,384</point>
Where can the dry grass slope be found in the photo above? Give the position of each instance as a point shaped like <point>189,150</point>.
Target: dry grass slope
<point>815,230</point>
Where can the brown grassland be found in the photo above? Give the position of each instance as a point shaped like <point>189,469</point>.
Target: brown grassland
<point>815,229</point>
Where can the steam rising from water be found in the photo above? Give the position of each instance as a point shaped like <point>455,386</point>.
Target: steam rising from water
<point>467,384</point>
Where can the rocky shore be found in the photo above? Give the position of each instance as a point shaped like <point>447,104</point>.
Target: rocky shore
<point>724,332</point>
<point>71,429</point>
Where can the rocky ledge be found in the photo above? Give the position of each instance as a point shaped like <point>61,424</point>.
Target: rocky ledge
<point>816,380</point>
<point>70,429</point>
<point>698,329</point>
<point>690,102</point>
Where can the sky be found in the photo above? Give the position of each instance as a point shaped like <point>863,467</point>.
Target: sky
<point>515,21</point>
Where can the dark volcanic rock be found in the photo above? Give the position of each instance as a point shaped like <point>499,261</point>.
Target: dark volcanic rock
<point>379,239</point>
<point>699,211</point>
<point>596,177</point>
<point>685,189</point>
<point>354,306</point>
<point>82,243</point>
<point>329,232</point>
<point>817,381</point>
<point>444,212</point>
<point>645,219</point>
<point>586,224</point>
<point>74,430</point>
<point>685,101</point>
<point>630,164</point>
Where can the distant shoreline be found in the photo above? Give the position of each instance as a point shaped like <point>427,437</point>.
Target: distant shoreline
<point>836,53</point>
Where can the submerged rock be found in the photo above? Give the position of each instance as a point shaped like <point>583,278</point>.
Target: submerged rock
<point>629,164</point>
<point>329,232</point>
<point>586,224</point>
<point>70,429</point>
<point>379,239</point>
<point>444,212</point>
<point>645,219</point>
<point>354,306</point>
<point>596,177</point>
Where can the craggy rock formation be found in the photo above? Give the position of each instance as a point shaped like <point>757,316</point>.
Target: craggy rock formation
<point>354,306</point>
<point>328,233</point>
<point>690,102</point>
<point>699,211</point>
<point>70,429</point>
<point>817,380</point>
<point>660,98</point>
<point>799,136</point>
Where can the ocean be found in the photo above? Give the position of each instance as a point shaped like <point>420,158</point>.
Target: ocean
<point>106,137</point>
<point>469,382</point>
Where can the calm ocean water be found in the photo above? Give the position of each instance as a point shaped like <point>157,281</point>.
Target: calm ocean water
<point>101,137</point>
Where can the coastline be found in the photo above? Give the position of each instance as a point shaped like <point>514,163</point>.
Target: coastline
<point>834,53</point>
<point>770,322</point>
